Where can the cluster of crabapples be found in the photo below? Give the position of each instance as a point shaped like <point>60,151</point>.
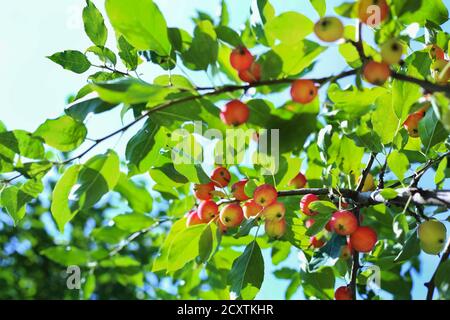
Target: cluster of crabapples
<point>264,205</point>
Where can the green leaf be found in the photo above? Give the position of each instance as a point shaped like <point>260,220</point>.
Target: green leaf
<point>128,54</point>
<point>185,247</point>
<point>319,284</point>
<point>289,27</point>
<point>389,193</point>
<point>431,130</point>
<point>266,10</point>
<point>398,163</point>
<point>36,169</point>
<point>384,120</point>
<point>247,273</point>
<point>22,143</point>
<point>440,172</point>
<point>443,274</point>
<point>109,234</point>
<point>139,199</point>
<point>427,10</point>
<point>204,47</point>
<point>71,60</point>
<point>347,9</point>
<point>228,35</point>
<point>80,109</point>
<point>411,248</point>
<point>14,199</point>
<point>324,207</point>
<point>320,222</point>
<point>141,23</point>
<point>67,256</point>
<point>205,244</point>
<point>328,254</point>
<point>96,178</point>
<point>320,6</point>
<point>246,227</point>
<point>61,211</point>
<point>143,148</point>
<point>280,251</point>
<point>161,261</point>
<point>131,91</point>
<point>94,25</point>
<point>64,133</point>
<point>89,286</point>
<point>404,95</point>
<point>133,222</point>
<point>104,54</point>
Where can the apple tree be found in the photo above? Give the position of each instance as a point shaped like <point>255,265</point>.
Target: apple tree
<point>346,172</point>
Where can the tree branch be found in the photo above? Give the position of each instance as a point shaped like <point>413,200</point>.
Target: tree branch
<point>428,86</point>
<point>431,285</point>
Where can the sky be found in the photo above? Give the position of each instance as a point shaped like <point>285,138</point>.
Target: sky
<point>33,89</point>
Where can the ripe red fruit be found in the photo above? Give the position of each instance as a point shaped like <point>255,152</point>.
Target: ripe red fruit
<point>221,177</point>
<point>203,191</point>
<point>436,53</point>
<point>275,211</point>
<point>363,239</point>
<point>411,123</point>
<point>207,210</point>
<point>231,215</point>
<point>252,74</point>
<point>316,242</point>
<point>275,228</point>
<point>223,228</point>
<point>343,293</point>
<point>344,222</point>
<point>305,202</point>
<point>371,17</point>
<point>329,226</point>
<point>235,113</point>
<point>303,91</point>
<point>241,58</point>
<point>265,195</point>
<point>299,181</point>
<point>237,189</point>
<point>251,209</point>
<point>193,219</point>
<point>376,72</point>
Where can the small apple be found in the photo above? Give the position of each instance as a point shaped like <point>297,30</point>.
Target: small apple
<point>237,189</point>
<point>203,191</point>
<point>241,58</point>
<point>306,201</point>
<point>251,209</point>
<point>235,113</point>
<point>376,72</point>
<point>329,29</point>
<point>363,239</point>
<point>252,74</point>
<point>372,12</point>
<point>223,228</point>
<point>435,52</point>
<point>329,226</point>
<point>303,91</point>
<point>392,51</point>
<point>369,183</point>
<point>193,219</point>
<point>299,181</point>
<point>441,71</point>
<point>275,228</point>
<point>221,177</point>
<point>344,222</point>
<point>411,123</point>
<point>265,195</point>
<point>432,236</point>
<point>275,211</point>
<point>343,293</point>
<point>231,215</point>
<point>207,210</point>
<point>316,243</point>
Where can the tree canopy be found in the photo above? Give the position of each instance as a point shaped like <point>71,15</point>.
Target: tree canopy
<point>265,163</point>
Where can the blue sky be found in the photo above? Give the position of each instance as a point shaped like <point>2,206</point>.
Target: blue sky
<point>34,89</point>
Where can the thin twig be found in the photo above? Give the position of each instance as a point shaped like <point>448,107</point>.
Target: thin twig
<point>431,285</point>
